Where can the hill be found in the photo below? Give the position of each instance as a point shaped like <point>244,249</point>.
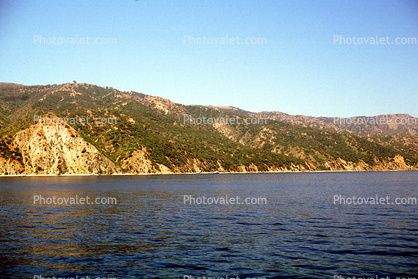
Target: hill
<point>388,124</point>
<point>83,128</point>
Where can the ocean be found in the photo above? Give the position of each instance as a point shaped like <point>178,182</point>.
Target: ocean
<point>278,225</point>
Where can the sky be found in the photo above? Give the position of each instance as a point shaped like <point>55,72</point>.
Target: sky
<point>296,57</point>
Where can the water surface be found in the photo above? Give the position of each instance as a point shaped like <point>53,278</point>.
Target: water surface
<point>151,233</point>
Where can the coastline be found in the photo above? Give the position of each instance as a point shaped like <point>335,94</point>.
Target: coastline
<point>195,173</point>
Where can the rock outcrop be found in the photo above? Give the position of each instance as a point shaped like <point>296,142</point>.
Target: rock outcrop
<point>58,149</point>
<point>148,134</point>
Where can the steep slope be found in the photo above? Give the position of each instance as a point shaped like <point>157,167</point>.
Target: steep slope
<point>137,133</point>
<point>389,124</point>
<point>322,149</point>
<point>55,149</point>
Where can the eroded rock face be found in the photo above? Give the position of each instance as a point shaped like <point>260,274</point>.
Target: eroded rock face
<point>9,167</point>
<point>59,149</point>
<point>139,163</point>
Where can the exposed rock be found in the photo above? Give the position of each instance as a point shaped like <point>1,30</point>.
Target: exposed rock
<point>58,149</point>
<point>9,167</point>
<point>146,126</point>
<point>138,163</point>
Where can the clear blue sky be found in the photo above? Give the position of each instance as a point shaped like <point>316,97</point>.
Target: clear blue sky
<point>299,70</point>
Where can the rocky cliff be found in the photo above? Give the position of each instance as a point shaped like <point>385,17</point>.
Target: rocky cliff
<point>55,148</point>
<point>149,134</point>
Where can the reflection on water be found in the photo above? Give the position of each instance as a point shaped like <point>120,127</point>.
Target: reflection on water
<point>150,233</point>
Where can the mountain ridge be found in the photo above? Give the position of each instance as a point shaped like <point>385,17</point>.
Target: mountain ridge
<point>341,123</point>
<point>152,136</point>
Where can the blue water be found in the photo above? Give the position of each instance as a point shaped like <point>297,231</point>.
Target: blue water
<point>151,233</point>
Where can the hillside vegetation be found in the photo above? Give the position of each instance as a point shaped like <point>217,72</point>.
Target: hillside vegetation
<point>146,134</point>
